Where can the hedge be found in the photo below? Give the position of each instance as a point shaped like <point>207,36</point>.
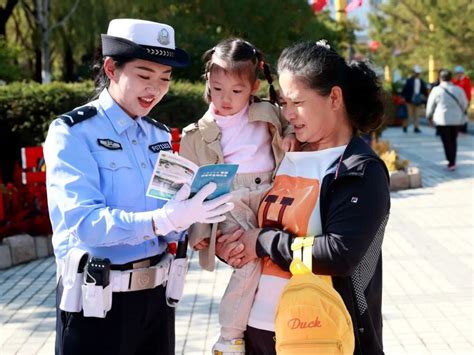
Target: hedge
<point>26,110</point>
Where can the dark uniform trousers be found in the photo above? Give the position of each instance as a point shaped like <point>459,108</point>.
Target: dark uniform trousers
<point>139,322</point>
<point>449,137</point>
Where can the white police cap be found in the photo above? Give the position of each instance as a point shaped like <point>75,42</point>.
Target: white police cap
<point>142,39</point>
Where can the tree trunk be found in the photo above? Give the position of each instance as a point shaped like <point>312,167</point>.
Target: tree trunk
<point>5,13</point>
<point>68,73</point>
<point>37,73</point>
<point>42,11</point>
<point>45,58</point>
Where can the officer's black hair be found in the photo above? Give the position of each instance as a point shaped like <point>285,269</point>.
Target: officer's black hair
<point>242,58</point>
<point>101,80</point>
<point>321,68</point>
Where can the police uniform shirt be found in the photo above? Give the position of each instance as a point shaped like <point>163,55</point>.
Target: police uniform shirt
<point>98,171</point>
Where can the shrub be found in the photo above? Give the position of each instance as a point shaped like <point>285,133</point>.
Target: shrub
<point>9,71</point>
<point>389,156</point>
<point>182,105</point>
<point>26,110</point>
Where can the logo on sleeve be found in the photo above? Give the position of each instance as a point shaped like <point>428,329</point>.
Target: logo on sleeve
<point>109,144</point>
<point>155,148</point>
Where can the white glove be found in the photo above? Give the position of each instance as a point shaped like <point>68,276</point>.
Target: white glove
<point>178,214</point>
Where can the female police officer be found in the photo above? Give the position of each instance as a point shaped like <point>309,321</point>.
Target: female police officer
<point>99,161</point>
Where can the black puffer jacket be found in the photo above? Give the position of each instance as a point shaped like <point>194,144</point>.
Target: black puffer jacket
<point>355,205</point>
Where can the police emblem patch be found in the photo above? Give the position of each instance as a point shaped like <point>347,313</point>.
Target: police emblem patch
<point>109,144</point>
<point>155,148</point>
<point>163,37</point>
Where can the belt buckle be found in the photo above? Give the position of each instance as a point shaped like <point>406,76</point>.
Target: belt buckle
<point>141,264</point>
<point>143,279</point>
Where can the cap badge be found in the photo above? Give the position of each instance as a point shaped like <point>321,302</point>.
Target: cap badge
<point>163,37</point>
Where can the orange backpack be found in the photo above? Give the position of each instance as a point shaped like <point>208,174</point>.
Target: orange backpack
<point>311,317</point>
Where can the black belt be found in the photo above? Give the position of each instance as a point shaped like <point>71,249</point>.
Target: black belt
<point>138,264</point>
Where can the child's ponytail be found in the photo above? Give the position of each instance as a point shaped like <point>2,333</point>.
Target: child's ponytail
<point>267,73</point>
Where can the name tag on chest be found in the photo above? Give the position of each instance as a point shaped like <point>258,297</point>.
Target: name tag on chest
<point>155,148</point>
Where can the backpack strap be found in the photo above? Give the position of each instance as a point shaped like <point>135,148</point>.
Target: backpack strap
<point>304,247</point>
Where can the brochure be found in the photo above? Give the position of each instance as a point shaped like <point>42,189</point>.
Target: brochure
<point>172,171</point>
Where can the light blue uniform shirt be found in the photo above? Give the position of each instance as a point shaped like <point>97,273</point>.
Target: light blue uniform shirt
<point>98,171</point>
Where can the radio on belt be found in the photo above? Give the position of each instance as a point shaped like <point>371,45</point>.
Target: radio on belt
<point>177,274</point>
<point>98,271</point>
<point>96,292</point>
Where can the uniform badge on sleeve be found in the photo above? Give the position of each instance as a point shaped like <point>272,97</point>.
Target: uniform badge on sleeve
<point>109,144</point>
<point>155,148</point>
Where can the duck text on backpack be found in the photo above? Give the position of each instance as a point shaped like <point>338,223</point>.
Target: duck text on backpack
<point>311,317</point>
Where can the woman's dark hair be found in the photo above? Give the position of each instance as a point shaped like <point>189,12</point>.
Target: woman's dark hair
<point>445,75</point>
<point>241,58</point>
<point>321,68</point>
<point>101,80</point>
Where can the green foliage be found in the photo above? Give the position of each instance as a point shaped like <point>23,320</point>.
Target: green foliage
<point>411,30</point>
<point>199,24</point>
<point>9,71</point>
<point>26,109</point>
<point>182,105</point>
<point>269,25</point>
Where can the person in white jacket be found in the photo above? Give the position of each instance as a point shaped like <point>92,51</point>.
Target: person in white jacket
<point>446,108</point>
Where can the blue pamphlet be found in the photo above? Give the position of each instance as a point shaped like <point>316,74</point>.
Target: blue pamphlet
<point>221,174</point>
<point>172,171</point>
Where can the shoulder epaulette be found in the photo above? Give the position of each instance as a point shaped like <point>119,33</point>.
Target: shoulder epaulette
<point>155,123</point>
<point>78,115</point>
<point>191,127</point>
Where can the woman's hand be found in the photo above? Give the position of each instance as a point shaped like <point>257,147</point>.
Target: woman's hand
<point>229,245</point>
<point>249,252</point>
<point>290,143</point>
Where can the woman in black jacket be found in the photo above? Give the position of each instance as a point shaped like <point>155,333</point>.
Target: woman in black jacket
<point>335,188</point>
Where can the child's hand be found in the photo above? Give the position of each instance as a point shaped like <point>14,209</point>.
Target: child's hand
<point>290,143</point>
<point>203,244</point>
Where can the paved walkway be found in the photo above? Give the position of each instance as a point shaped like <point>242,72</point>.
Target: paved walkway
<point>428,270</point>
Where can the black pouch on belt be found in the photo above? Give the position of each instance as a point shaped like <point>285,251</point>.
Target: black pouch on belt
<point>98,271</point>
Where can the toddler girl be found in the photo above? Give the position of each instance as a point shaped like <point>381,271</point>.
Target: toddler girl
<point>238,128</point>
